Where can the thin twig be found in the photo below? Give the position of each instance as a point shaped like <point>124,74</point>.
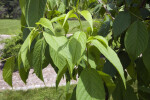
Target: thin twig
<point>100,1</point>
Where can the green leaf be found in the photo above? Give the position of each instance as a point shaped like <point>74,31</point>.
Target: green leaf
<point>109,69</point>
<point>8,70</point>
<point>56,52</point>
<point>87,15</point>
<point>67,16</point>
<point>124,94</point>
<point>38,53</point>
<point>146,57</point>
<point>46,23</point>
<point>58,59</point>
<point>90,86</point>
<point>23,5</point>
<point>61,17</point>
<point>121,23</point>
<point>77,45</point>
<point>33,35</point>
<point>34,11</point>
<point>60,75</point>
<point>62,8</point>
<point>23,73</point>
<point>143,79</point>
<point>104,29</point>
<point>24,51</point>
<point>136,39</point>
<point>131,71</point>
<point>108,81</point>
<point>111,56</point>
<point>52,4</point>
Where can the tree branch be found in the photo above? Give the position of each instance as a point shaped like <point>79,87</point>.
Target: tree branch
<point>100,1</point>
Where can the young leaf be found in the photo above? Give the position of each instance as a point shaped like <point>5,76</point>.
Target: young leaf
<point>121,23</point>
<point>90,86</point>
<point>8,70</point>
<point>111,56</point>
<point>136,39</point>
<point>46,23</point>
<point>86,14</point>
<point>38,53</point>
<point>67,16</point>
<point>61,17</point>
<point>33,35</point>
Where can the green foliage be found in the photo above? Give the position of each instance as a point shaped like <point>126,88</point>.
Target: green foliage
<point>107,65</point>
<point>12,46</point>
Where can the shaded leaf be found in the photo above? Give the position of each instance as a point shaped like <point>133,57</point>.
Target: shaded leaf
<point>146,57</point>
<point>121,23</point>
<point>136,39</point>
<point>90,86</point>
<point>38,53</point>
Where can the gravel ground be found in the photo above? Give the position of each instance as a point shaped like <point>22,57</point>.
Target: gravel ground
<point>32,81</point>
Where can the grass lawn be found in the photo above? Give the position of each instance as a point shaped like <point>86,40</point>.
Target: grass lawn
<point>36,94</point>
<point>10,26</point>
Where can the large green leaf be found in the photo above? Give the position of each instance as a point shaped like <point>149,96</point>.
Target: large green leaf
<point>111,56</point>
<point>8,70</point>
<point>146,57</point>
<point>24,51</point>
<point>46,23</point>
<point>87,15</point>
<point>34,11</point>
<point>90,86</point>
<point>56,52</point>
<point>121,23</point>
<point>38,53</point>
<point>136,39</point>
<point>77,45</point>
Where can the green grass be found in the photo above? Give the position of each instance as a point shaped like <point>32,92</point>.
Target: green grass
<point>10,27</point>
<point>36,94</point>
